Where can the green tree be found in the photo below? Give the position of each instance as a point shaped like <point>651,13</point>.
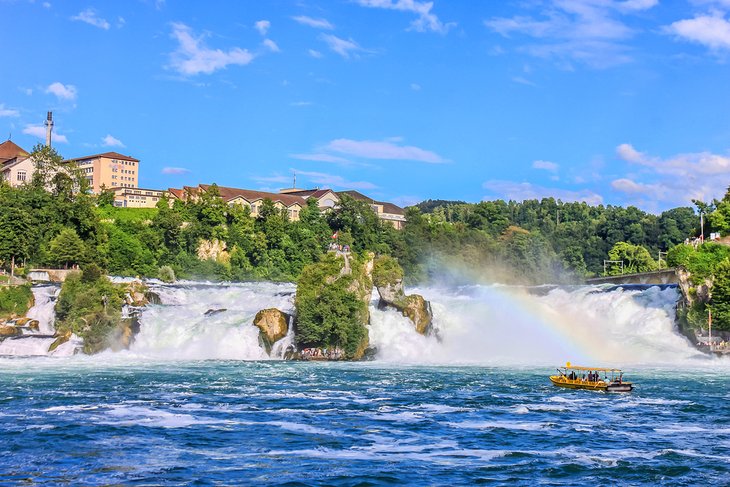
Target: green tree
<point>635,258</point>
<point>720,302</point>
<point>67,248</point>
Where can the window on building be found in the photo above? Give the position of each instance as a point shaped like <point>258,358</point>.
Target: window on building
<point>21,175</point>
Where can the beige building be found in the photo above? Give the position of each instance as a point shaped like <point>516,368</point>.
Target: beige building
<point>137,197</point>
<point>328,199</point>
<point>109,170</point>
<point>245,197</point>
<point>16,165</point>
<point>293,200</point>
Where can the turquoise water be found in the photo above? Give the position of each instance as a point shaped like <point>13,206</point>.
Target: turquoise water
<point>84,421</point>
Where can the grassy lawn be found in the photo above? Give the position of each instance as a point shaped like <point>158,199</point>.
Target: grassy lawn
<point>124,215</point>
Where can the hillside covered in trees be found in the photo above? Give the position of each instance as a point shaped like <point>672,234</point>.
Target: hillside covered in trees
<point>54,221</point>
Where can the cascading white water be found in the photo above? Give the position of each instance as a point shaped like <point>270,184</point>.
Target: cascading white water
<point>37,343</point>
<point>180,329</point>
<point>43,308</point>
<point>522,326</point>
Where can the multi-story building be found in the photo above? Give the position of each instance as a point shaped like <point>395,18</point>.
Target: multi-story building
<point>109,170</point>
<point>137,197</point>
<point>16,165</point>
<point>293,200</point>
<point>327,199</point>
<point>245,197</point>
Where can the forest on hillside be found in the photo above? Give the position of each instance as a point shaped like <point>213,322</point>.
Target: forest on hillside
<point>54,221</point>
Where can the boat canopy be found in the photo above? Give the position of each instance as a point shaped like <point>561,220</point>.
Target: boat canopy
<point>594,369</point>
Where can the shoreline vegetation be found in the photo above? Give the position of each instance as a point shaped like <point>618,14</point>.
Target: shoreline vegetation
<point>54,221</point>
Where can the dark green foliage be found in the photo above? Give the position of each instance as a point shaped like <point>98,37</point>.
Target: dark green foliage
<point>635,258</point>
<point>329,311</point>
<point>15,300</point>
<point>67,248</point>
<point>720,303</point>
<point>91,309</point>
<point>386,271</point>
<point>91,273</point>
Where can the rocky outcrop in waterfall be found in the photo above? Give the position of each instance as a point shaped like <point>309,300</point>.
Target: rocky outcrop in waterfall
<point>332,304</point>
<point>388,279</point>
<point>273,325</point>
<point>692,313</point>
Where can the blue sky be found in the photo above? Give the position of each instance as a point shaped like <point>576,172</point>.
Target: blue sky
<point>613,102</point>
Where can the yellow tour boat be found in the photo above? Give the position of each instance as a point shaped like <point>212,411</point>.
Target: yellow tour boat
<point>591,378</point>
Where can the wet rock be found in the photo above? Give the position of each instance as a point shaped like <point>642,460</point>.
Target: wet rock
<point>60,340</point>
<point>136,294</point>
<point>9,331</point>
<point>273,325</point>
<point>212,311</point>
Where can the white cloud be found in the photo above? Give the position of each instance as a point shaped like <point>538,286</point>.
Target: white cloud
<point>415,87</point>
<point>388,150</point>
<point>46,4</point>
<point>8,112</point>
<point>175,170</point>
<point>193,57</point>
<point>511,190</point>
<point>90,17</point>
<point>675,180</point>
<point>40,132</point>
<point>316,23</point>
<point>629,186</point>
<point>62,92</point>
<point>426,21</point>
<point>334,181</point>
<point>314,54</point>
<point>712,31</point>
<point>343,47</point>
<point>321,157</point>
<point>301,104</point>
<point>545,165</point>
<point>111,141</point>
<point>523,81</point>
<point>588,32</point>
<point>271,45</point>
<point>629,154</point>
<point>262,26</point>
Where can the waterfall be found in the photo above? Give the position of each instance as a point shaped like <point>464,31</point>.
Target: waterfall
<point>179,328</point>
<point>480,324</point>
<point>33,343</point>
<point>540,326</point>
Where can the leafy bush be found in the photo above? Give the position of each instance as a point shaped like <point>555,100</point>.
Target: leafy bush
<point>329,311</point>
<point>386,271</point>
<point>91,309</point>
<point>15,300</point>
<point>166,274</point>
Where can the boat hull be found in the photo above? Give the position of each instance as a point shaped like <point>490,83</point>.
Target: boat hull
<point>561,381</point>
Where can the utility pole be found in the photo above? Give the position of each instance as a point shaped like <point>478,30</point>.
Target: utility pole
<point>702,227</point>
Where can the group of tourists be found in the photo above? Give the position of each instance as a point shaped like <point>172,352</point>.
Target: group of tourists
<point>334,353</point>
<point>335,247</point>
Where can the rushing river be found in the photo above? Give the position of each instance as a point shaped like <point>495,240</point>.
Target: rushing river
<point>269,423</point>
<point>197,401</point>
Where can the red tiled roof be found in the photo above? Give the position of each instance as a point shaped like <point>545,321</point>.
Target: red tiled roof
<point>178,193</point>
<point>10,150</point>
<point>109,155</point>
<point>387,207</point>
<point>311,193</point>
<point>230,193</point>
